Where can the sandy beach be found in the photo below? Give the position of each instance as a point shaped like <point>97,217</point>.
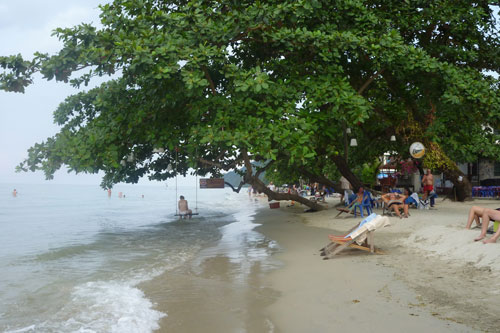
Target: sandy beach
<point>433,277</point>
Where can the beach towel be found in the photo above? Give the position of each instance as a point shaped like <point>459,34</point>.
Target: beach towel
<point>375,223</point>
<point>368,219</point>
<point>415,197</point>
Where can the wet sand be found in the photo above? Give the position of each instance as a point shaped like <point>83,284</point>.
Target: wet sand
<point>433,277</point>
<point>222,289</point>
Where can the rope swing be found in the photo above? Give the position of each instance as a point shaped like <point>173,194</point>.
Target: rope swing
<point>176,185</point>
<point>196,184</point>
<point>175,201</point>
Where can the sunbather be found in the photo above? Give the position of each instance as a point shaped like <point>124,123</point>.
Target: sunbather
<point>395,201</point>
<point>476,214</point>
<point>488,215</point>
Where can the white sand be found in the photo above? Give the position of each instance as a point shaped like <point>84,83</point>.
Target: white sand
<point>433,277</point>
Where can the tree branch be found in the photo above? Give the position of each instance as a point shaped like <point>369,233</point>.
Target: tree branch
<point>261,170</point>
<point>210,81</point>
<point>237,190</point>
<point>271,195</point>
<point>248,165</point>
<point>220,165</point>
<point>369,81</point>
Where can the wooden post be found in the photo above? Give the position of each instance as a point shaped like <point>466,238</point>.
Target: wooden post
<point>370,241</point>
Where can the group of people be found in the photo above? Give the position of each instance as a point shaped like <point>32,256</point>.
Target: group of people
<point>313,190</point>
<point>395,202</point>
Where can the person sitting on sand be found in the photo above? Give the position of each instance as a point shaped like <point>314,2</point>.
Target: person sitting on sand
<point>184,209</point>
<point>476,214</point>
<point>395,202</point>
<point>488,215</point>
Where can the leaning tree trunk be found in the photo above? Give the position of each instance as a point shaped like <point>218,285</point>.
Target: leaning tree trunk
<point>261,187</point>
<point>344,169</point>
<point>320,179</point>
<point>253,179</point>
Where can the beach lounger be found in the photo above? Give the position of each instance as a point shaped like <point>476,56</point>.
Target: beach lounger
<point>353,229</point>
<point>343,210</point>
<point>360,237</point>
<point>386,210</point>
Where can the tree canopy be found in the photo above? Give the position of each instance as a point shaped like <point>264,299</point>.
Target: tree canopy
<point>214,85</point>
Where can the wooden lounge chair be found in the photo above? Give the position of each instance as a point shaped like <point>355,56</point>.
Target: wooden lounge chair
<point>343,210</point>
<point>360,237</point>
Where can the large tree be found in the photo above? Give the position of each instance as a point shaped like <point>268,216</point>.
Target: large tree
<point>214,85</point>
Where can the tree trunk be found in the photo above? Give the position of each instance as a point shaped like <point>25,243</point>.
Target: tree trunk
<point>346,171</point>
<point>261,187</point>
<point>253,179</point>
<point>321,179</point>
<point>463,187</point>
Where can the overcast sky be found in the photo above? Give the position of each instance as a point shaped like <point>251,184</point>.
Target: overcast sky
<point>25,27</point>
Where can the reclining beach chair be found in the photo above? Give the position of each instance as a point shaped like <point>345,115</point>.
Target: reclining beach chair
<point>359,237</point>
<point>388,211</point>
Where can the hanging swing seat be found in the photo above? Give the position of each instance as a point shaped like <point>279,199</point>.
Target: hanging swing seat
<point>193,214</point>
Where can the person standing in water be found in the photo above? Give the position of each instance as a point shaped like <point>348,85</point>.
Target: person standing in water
<point>14,193</point>
<point>183,208</point>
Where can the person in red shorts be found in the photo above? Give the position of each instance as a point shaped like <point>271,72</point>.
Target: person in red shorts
<point>428,184</point>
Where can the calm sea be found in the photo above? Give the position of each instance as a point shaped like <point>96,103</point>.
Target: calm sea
<point>71,257</point>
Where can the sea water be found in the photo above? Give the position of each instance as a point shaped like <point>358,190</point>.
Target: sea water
<point>71,258</point>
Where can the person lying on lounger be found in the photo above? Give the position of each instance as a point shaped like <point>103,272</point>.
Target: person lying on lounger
<point>395,202</point>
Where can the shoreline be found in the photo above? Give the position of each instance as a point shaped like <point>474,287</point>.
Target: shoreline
<point>221,288</point>
<point>423,282</point>
<point>433,277</point>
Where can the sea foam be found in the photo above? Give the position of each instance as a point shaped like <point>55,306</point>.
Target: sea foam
<point>126,308</point>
